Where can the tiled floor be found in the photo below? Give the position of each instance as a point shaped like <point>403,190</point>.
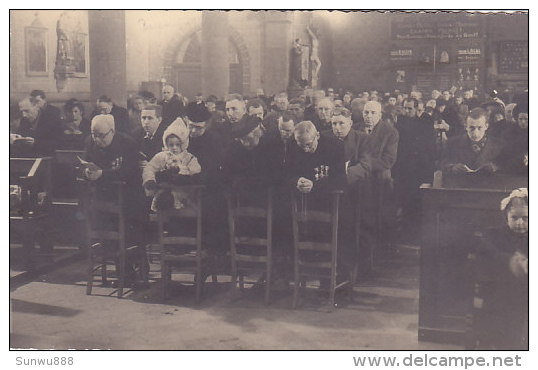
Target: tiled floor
<point>380,313</point>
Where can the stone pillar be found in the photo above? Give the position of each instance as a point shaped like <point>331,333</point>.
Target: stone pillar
<point>277,43</point>
<point>108,59</point>
<point>215,43</point>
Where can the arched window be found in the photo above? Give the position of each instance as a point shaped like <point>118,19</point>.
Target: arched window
<point>188,67</point>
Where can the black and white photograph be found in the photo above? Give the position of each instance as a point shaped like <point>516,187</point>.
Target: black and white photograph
<point>269,180</point>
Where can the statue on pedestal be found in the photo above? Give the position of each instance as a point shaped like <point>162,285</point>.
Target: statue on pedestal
<point>298,69</point>
<point>314,58</point>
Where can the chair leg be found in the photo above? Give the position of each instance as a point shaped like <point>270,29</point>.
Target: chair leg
<point>164,279</point>
<point>121,276</point>
<point>241,282</point>
<point>268,285</point>
<point>199,282</point>
<point>104,280</point>
<point>214,278</point>
<point>331,293</point>
<point>295,286</point>
<point>89,284</point>
<point>144,268</point>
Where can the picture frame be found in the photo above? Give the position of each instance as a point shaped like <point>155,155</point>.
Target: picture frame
<point>36,51</point>
<point>80,50</point>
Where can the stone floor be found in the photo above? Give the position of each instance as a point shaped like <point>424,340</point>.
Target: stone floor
<point>53,312</point>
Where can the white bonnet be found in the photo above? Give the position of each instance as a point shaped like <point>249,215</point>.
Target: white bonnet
<point>516,193</point>
<point>178,128</point>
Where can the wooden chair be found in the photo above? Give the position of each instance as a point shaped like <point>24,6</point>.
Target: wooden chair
<point>30,216</point>
<point>251,253</point>
<point>65,201</point>
<point>65,163</point>
<point>183,252</point>
<point>315,258</point>
<point>102,241</point>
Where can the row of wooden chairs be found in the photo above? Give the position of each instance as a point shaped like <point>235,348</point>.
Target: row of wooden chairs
<point>180,241</point>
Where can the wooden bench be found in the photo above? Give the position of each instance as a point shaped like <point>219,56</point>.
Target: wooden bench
<point>29,218</point>
<point>453,212</point>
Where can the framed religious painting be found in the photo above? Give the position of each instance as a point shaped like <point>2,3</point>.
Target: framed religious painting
<point>36,51</point>
<point>79,45</point>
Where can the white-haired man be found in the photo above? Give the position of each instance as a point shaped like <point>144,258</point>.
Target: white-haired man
<point>113,157</point>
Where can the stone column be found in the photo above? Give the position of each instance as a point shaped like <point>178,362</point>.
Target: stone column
<point>108,59</point>
<point>215,43</point>
<point>277,43</point>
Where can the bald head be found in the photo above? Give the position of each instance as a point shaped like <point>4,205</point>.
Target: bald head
<point>103,129</point>
<point>371,113</point>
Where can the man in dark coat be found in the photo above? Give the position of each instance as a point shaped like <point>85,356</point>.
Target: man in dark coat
<point>206,145</point>
<point>355,145</point>
<point>173,106</point>
<point>414,164</point>
<point>357,172</point>
<point>245,174</point>
<point>382,141</point>
<point>237,120</point>
<point>243,167</point>
<point>317,167</point>
<point>470,100</point>
<point>114,156</point>
<point>105,105</point>
<point>374,198</point>
<point>150,134</point>
<point>317,162</point>
<point>276,146</point>
<point>322,119</point>
<point>280,105</point>
<point>473,151</point>
<point>48,112</point>
<point>38,133</point>
<point>515,156</point>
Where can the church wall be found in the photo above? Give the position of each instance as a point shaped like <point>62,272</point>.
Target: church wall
<point>153,39</point>
<point>355,50</point>
<point>20,82</point>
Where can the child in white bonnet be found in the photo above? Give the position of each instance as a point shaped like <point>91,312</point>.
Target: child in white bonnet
<point>173,165</point>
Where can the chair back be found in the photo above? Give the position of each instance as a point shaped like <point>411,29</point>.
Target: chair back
<point>250,219</point>
<point>104,216</point>
<point>175,226</point>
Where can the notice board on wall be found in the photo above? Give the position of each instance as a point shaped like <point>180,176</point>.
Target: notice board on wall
<point>513,56</point>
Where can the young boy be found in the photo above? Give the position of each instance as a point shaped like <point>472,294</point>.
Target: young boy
<point>174,165</point>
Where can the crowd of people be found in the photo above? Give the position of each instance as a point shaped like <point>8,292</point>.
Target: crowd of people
<point>377,147</point>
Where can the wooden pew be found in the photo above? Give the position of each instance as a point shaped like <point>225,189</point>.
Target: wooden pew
<point>33,176</point>
<point>454,210</point>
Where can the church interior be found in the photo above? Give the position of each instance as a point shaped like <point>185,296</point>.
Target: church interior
<point>408,217</point>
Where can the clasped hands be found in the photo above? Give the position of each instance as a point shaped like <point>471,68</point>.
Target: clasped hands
<point>92,172</point>
<point>304,185</point>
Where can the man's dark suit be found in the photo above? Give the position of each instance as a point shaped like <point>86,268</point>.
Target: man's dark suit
<point>460,150</point>
<point>46,131</point>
